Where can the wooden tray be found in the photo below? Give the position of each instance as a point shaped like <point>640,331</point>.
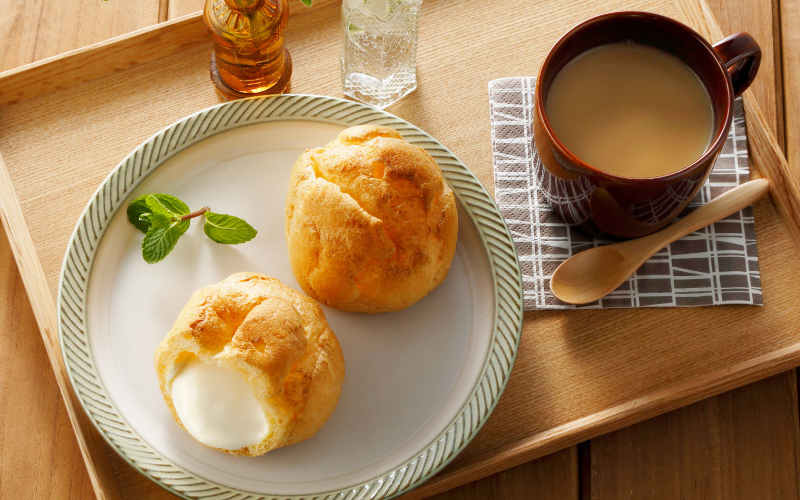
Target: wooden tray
<point>67,121</point>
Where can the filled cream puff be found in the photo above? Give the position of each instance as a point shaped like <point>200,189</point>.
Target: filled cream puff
<point>250,365</point>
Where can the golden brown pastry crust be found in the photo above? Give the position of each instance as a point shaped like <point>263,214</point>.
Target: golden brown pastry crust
<point>276,337</point>
<point>371,224</point>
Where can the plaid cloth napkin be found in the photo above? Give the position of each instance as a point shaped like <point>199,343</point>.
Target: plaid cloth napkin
<point>715,265</point>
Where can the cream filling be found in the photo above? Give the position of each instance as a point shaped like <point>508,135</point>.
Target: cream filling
<point>217,406</point>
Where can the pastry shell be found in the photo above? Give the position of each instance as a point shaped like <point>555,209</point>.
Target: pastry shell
<point>371,224</point>
<point>276,337</point>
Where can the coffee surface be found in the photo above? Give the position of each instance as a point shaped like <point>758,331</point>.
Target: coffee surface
<point>630,110</point>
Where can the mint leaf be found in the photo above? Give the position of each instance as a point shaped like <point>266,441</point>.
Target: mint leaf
<point>139,212</point>
<point>160,240</point>
<point>164,218</point>
<point>166,204</point>
<point>307,3</point>
<point>158,219</point>
<point>136,210</point>
<point>228,229</point>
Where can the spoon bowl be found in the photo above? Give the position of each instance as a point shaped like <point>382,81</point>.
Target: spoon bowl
<point>602,267</point>
<point>594,273</point>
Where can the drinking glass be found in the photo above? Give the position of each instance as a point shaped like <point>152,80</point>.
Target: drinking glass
<point>379,58</point>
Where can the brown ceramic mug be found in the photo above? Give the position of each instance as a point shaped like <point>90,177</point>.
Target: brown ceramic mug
<point>604,203</point>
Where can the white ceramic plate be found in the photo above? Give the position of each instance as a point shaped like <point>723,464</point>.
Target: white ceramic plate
<point>419,383</point>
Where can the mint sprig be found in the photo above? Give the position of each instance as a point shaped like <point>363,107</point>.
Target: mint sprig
<point>141,214</point>
<point>164,218</point>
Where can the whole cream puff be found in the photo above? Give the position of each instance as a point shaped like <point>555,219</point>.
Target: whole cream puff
<point>371,225</point>
<point>250,365</point>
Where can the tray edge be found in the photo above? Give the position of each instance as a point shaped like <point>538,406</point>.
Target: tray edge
<point>767,158</point>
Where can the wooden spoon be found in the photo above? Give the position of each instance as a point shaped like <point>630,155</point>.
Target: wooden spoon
<point>594,273</point>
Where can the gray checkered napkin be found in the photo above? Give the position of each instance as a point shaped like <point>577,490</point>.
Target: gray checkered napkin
<point>715,265</point>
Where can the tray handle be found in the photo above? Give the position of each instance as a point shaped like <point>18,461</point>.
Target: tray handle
<point>44,310</point>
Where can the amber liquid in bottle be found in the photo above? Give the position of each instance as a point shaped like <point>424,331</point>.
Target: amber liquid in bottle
<point>249,56</point>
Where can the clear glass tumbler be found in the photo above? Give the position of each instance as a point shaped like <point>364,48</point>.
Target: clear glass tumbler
<point>379,59</point>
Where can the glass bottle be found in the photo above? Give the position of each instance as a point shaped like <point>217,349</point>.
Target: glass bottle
<point>249,56</point>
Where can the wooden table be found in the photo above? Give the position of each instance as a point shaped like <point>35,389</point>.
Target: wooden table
<point>741,444</point>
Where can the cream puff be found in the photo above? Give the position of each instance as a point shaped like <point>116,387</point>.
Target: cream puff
<point>250,365</point>
<point>371,224</point>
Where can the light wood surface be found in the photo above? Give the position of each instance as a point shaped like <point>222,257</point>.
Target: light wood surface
<point>89,440</point>
<point>38,29</point>
<point>49,465</point>
<point>790,34</point>
<point>55,469</point>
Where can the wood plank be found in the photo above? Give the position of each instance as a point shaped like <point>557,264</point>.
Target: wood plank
<point>552,477</point>
<point>575,342</point>
<point>126,51</point>
<point>45,28</point>
<point>93,61</point>
<point>790,20</point>
<point>789,17</point>
<point>740,445</point>
<point>178,8</point>
<point>517,452</point>
<point>44,311</point>
<point>39,457</point>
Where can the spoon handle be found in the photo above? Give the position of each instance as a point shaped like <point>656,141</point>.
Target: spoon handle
<point>726,204</point>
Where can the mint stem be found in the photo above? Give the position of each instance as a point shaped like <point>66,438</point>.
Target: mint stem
<point>196,213</point>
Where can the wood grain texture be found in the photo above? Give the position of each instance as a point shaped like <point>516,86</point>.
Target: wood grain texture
<point>548,478</point>
<point>53,466</point>
<point>87,63</point>
<point>575,359</point>
<point>633,412</point>
<point>39,457</point>
<point>89,441</point>
<point>128,50</point>
<point>178,8</point>
<point>44,311</point>
<point>740,445</point>
<point>756,18</point>
<point>790,21</point>
<point>44,28</point>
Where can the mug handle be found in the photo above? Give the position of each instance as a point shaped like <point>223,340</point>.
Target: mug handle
<point>741,56</point>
